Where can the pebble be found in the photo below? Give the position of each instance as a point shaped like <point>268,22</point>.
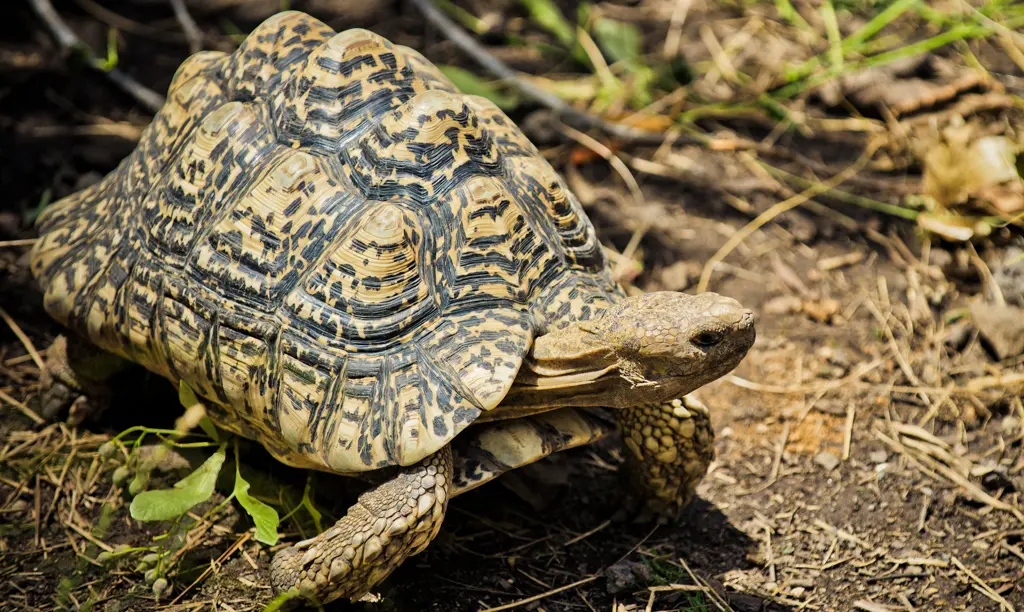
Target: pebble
<point>625,576</point>
<point>827,460</point>
<point>878,456</point>
<point>1002,326</point>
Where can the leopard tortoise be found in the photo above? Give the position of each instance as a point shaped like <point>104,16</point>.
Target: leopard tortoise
<point>371,274</point>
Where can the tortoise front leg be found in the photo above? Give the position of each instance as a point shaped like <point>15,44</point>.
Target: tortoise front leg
<point>74,379</point>
<point>390,523</point>
<point>669,448</point>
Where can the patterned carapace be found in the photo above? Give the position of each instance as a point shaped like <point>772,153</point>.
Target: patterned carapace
<point>347,258</point>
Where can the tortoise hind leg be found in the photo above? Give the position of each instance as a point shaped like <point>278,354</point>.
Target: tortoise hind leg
<point>390,523</point>
<point>669,448</point>
<point>74,379</point>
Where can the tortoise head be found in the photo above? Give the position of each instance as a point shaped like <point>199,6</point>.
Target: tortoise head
<point>646,348</point>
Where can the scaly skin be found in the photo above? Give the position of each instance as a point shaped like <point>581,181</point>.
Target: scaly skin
<point>669,448</point>
<point>389,524</point>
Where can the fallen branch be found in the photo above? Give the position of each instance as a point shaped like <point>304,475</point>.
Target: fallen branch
<point>562,110</point>
<point>188,25</point>
<point>68,41</point>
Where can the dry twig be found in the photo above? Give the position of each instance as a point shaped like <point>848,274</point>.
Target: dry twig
<point>188,25</point>
<point>501,70</point>
<point>69,41</point>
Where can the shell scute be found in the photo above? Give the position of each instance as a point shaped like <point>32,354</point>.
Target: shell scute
<point>369,289</point>
<point>421,151</point>
<point>345,85</point>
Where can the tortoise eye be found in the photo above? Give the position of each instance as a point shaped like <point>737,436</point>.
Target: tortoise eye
<point>708,338</point>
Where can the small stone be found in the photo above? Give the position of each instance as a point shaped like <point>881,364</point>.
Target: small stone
<point>626,576</point>
<point>915,569</point>
<point>878,456</point>
<point>827,460</point>
<point>821,311</point>
<point>786,304</point>
<point>1001,327</point>
<point>677,276</point>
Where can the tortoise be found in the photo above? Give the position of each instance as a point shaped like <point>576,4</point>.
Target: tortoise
<point>372,275</point>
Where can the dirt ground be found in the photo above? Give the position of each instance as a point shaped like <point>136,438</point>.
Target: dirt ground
<point>870,449</point>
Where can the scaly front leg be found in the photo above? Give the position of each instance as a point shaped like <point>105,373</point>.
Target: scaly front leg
<point>669,448</point>
<point>390,523</point>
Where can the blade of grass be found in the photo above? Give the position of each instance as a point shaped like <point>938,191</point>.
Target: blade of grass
<point>957,33</point>
<point>844,196</point>
<point>878,22</point>
<point>789,13</point>
<point>467,19</point>
<point>835,39</point>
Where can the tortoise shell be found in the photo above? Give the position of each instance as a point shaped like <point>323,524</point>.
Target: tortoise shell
<point>346,257</point>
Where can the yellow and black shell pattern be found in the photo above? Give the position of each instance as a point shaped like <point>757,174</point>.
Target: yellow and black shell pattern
<point>346,257</point>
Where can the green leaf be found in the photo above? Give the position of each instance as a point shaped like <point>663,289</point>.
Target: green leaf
<point>263,516</point>
<point>167,504</point>
<point>471,84</point>
<point>619,41</point>
<point>186,395</point>
<point>307,503</point>
<point>547,16</point>
<point>278,602</point>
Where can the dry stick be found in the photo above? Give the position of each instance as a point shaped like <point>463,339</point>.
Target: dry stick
<point>67,40</point>
<point>634,190</point>
<point>851,413</point>
<point>776,210</point>
<point>25,410</point>
<point>498,68</point>
<point>17,243</point>
<point>773,475</point>
<point>523,602</point>
<point>227,553</point>
<point>188,25</point>
<point>25,341</point>
<point>587,534</point>
<point>675,29</point>
<point>712,594</point>
<point>983,586</point>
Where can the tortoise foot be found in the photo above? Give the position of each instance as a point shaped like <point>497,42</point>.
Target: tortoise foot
<point>389,523</point>
<point>669,447</point>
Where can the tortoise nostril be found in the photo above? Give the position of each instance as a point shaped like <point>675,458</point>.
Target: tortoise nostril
<point>728,311</point>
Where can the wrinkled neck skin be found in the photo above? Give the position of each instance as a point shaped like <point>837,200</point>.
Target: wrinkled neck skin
<point>650,348</point>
